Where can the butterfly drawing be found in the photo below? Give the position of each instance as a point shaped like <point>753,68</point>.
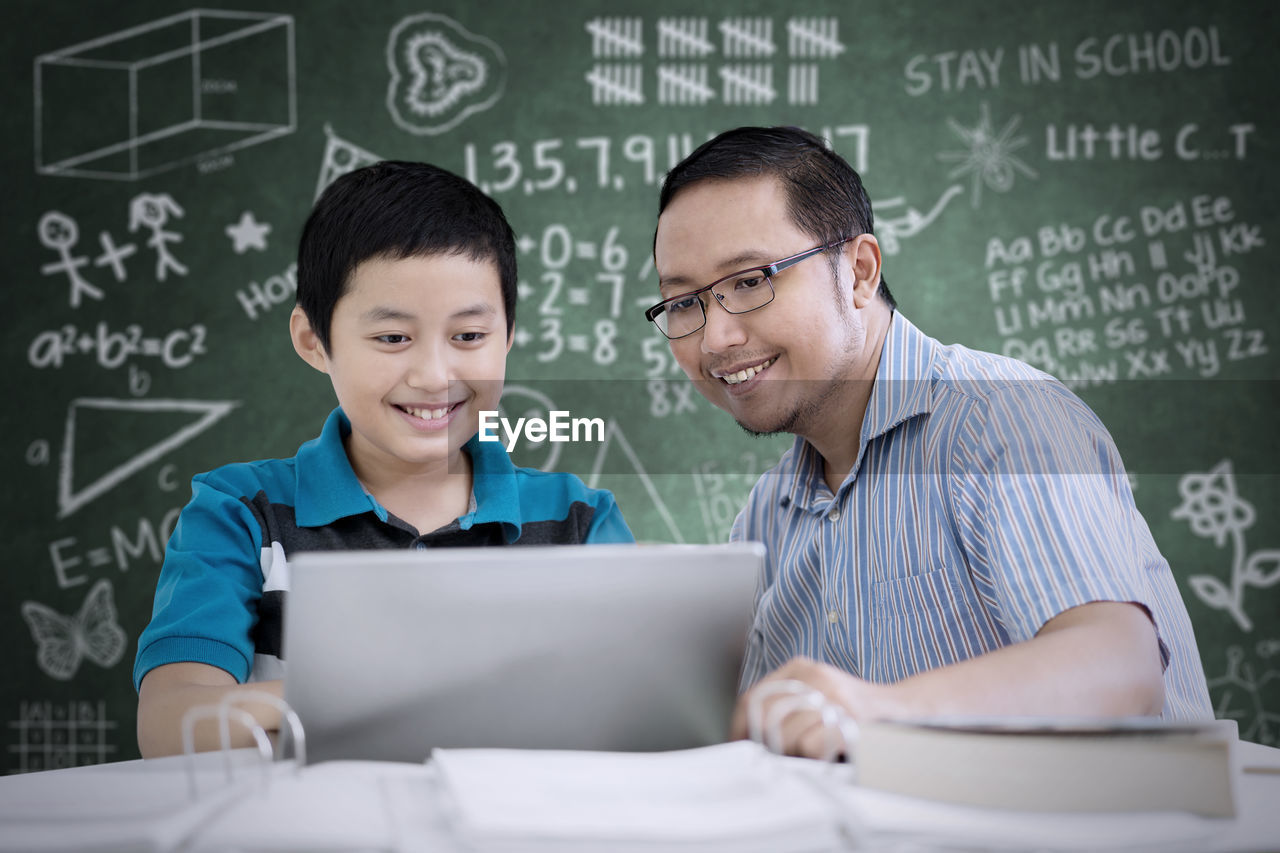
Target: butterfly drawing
<point>63,641</point>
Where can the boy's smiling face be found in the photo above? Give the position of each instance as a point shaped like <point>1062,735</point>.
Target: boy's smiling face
<point>417,348</point>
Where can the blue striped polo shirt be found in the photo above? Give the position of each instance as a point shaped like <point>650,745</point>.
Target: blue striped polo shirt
<point>986,498</point>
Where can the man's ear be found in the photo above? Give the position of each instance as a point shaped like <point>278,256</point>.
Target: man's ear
<point>306,343</point>
<point>863,255</point>
<point>511,339</point>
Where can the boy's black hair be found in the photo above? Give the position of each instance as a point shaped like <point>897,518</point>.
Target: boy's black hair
<point>825,196</point>
<point>396,210</point>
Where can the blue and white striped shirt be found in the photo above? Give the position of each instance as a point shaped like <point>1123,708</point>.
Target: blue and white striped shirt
<point>986,499</point>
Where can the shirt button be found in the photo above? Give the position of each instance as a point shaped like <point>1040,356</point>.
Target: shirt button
<point>421,546</point>
<point>833,616</point>
<point>834,515</point>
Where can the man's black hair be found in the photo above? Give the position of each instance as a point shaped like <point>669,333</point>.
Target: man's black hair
<point>825,196</point>
<point>395,210</point>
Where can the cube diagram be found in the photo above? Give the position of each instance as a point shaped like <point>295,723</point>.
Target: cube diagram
<point>162,94</point>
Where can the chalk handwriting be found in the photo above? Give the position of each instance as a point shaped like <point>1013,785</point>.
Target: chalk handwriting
<point>66,555</point>
<point>113,348</point>
<point>1092,58</point>
<point>1084,142</point>
<point>1137,294</point>
<point>281,289</point>
<point>605,163</point>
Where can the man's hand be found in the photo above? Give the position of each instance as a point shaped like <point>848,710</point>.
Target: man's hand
<point>802,730</point>
<point>1096,659</point>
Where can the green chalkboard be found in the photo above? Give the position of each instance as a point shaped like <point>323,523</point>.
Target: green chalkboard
<point>1085,185</point>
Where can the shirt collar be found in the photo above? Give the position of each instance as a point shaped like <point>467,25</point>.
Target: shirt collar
<point>904,379</point>
<point>327,486</point>
<point>493,484</point>
<point>903,389</point>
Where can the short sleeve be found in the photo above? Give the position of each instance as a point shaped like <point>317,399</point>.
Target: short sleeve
<point>608,525</point>
<point>1045,512</point>
<point>211,580</point>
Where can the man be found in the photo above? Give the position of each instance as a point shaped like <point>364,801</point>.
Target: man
<point>952,531</point>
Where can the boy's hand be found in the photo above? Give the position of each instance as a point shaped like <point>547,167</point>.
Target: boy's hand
<point>169,691</point>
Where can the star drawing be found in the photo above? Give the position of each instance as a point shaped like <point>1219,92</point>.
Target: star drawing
<point>248,234</point>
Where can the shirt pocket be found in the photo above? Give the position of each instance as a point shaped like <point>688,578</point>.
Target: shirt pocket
<point>918,622</point>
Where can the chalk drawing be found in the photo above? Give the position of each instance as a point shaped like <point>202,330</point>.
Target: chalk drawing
<point>1240,698</point>
<point>990,158</point>
<point>38,453</point>
<point>228,84</point>
<point>341,157</point>
<point>749,38</point>
<point>440,73</point>
<point>684,83</point>
<point>814,38</point>
<point>614,38</point>
<point>613,436</point>
<point>802,83</point>
<point>248,233</point>
<point>683,38</point>
<point>51,735</point>
<point>152,211</point>
<point>113,256</point>
<point>894,228</point>
<point>617,85</point>
<point>71,499</point>
<point>747,84</point>
<point>63,641</point>
<point>1214,511</point>
<point>59,232</point>
<point>521,401</point>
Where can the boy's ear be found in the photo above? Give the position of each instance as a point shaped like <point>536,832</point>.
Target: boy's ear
<point>306,343</point>
<point>511,339</point>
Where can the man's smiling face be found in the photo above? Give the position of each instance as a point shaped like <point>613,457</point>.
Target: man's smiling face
<point>779,368</point>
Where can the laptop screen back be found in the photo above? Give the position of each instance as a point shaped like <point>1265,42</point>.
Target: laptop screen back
<point>393,653</point>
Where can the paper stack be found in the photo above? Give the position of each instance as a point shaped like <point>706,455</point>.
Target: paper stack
<point>732,797</point>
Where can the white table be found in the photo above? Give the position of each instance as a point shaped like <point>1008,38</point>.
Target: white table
<point>149,805</point>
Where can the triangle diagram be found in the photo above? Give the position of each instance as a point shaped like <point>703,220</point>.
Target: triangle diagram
<point>340,157</point>
<point>206,413</point>
<point>613,435</point>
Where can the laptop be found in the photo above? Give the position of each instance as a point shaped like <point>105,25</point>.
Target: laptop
<point>391,654</point>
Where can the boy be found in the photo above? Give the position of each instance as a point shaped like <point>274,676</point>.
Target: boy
<point>406,299</point>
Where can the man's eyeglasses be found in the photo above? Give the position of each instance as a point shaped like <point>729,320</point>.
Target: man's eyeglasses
<point>738,293</point>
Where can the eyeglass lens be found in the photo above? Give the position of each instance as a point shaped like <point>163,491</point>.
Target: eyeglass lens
<point>744,292</point>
